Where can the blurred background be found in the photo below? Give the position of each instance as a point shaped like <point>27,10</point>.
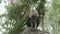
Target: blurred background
<point>13,15</point>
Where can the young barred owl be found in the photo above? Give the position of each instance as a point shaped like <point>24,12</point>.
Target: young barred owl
<point>33,18</point>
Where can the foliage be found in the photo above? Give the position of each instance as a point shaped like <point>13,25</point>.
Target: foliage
<point>56,11</point>
<point>17,13</point>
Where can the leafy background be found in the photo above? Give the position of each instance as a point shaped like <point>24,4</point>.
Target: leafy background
<point>13,20</point>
